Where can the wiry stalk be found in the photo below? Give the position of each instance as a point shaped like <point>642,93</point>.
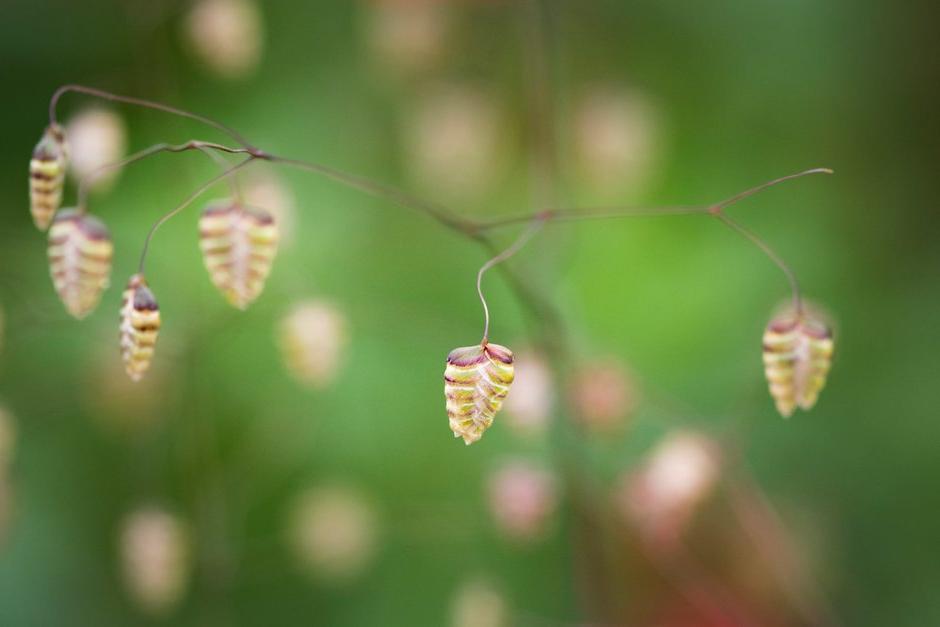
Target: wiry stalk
<point>473,229</point>
<point>189,200</point>
<point>85,183</point>
<point>140,102</point>
<point>515,247</point>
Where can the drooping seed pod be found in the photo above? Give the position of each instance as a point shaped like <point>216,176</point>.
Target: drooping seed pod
<point>140,323</point>
<point>47,175</point>
<point>80,252</point>
<point>476,381</point>
<point>238,247</point>
<point>797,357</point>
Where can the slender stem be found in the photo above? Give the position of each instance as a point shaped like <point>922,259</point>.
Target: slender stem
<point>441,214</point>
<point>438,212</point>
<point>596,213</point>
<point>234,187</point>
<point>759,188</point>
<point>91,177</point>
<point>777,259</point>
<point>100,93</point>
<point>515,247</point>
<point>471,228</point>
<point>189,200</point>
<point>606,213</point>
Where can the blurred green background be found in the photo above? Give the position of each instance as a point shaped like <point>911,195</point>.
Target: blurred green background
<point>731,93</point>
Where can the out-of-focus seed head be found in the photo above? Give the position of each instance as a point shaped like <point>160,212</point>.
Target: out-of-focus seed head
<point>677,475</point>
<point>478,603</point>
<point>522,499</point>
<point>333,532</point>
<point>797,353</point>
<point>227,36</point>
<point>154,558</point>
<point>603,395</point>
<point>97,137</point>
<point>312,337</point>
<point>476,381</point>
<point>617,139</point>
<point>123,407</point>
<point>530,405</point>
<point>7,504</point>
<point>454,141</point>
<point>80,252</point>
<point>407,36</point>
<point>140,324</point>
<point>238,246</point>
<point>7,437</point>
<point>47,175</point>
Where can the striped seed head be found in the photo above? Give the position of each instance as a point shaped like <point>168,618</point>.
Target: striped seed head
<point>140,323</point>
<point>47,175</point>
<point>80,252</point>
<point>476,381</point>
<point>238,247</point>
<point>798,350</point>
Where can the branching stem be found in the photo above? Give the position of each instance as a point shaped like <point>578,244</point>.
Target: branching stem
<point>140,102</point>
<point>85,183</point>
<point>515,247</point>
<point>189,200</point>
<point>473,229</point>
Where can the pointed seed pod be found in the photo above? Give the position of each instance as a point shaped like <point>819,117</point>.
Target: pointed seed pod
<point>238,246</point>
<point>476,381</point>
<point>80,252</point>
<point>140,323</point>
<point>47,175</point>
<point>797,357</point>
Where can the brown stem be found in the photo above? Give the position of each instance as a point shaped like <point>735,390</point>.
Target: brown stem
<point>189,200</point>
<point>515,247</point>
<point>771,254</point>
<point>193,144</point>
<point>140,102</point>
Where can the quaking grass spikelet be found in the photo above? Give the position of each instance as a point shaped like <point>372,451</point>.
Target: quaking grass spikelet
<point>238,247</point>
<point>80,252</point>
<point>476,381</point>
<point>47,175</point>
<point>798,351</point>
<point>140,323</point>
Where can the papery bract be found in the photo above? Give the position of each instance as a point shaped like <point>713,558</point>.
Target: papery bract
<point>798,351</point>
<point>140,323</point>
<point>80,251</point>
<point>238,247</point>
<point>476,381</point>
<point>47,175</point>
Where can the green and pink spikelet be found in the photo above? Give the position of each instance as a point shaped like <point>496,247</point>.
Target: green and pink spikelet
<point>476,382</point>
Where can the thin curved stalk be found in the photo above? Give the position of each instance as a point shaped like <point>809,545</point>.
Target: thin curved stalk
<point>189,200</point>
<point>86,181</point>
<point>140,102</point>
<point>515,247</point>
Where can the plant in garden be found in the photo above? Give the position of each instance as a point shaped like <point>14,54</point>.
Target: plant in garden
<point>239,244</point>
